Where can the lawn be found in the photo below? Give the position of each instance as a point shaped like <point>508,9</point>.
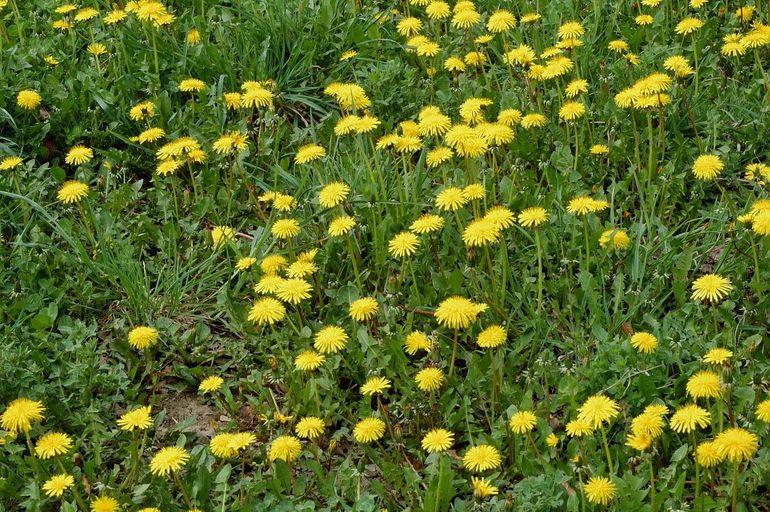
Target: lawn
<point>407,255</point>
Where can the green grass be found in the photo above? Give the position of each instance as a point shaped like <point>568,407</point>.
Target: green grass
<point>75,279</point>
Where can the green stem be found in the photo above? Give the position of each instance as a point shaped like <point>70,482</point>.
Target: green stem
<point>756,261</point>
<point>534,446</point>
<point>577,150</point>
<point>494,380</point>
<point>354,261</point>
<point>182,488</point>
<point>697,65</point>
<point>437,501</point>
<point>697,469</point>
<point>653,507</point>
<point>585,235</point>
<point>454,355</point>
<point>75,491</point>
<point>17,15</point>
<point>155,53</point>
<point>735,487</point>
<point>539,271</point>
<point>650,155</point>
<point>607,450</point>
<point>762,69</point>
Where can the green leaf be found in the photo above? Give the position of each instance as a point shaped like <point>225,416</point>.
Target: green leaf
<point>680,453</point>
<point>41,321</point>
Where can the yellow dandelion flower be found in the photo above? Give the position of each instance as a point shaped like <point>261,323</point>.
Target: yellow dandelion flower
<point>572,110</point>
<point>533,217</point>
<point>363,309</point>
<point>763,411</point>
<point>105,504</point>
<point>522,422</point>
<point>369,430</point>
<point>437,440</point>
<point>458,312</point>
<point>272,264</point>
<point>245,263</point>
<point>501,217</point>
<point>403,244</point>
<point>267,310</point>
<point>142,337</point>
<point>578,428</point>
<point>707,167</point>
<point>55,486</point>
<point>136,419</point>
<point>480,233</point>
<point>704,384</point>
<point>689,417</point>
<point>211,384</point>
<point>429,379</point>
<point>10,162</point>
<point>599,149</point>
<point>375,386</point>
<point>597,410</point>
<point>481,458</point>
<point>501,21</point>
<point>533,120</point>
<point>643,20</point>
<point>415,342</point>
<point>285,228</point>
<point>285,448</point>
<point>711,287</point>
<point>736,444</point>
<point>28,99</point>
<point>168,460</point>
<point>309,360</point>
<point>688,26</point>
<point>644,342</point>
<point>294,290</point>
<point>465,18</point>
<point>483,488</point>
<point>492,337</point>
<point>707,454</point>
<point>717,356</point>
<point>191,85</point>
<point>72,192</point>
<point>599,490</point>
<point>341,225</point>
<point>309,153</point>
<point>309,427</point>
<point>79,155</point>
<point>52,444</point>
<point>333,194</point>
<point>330,339</point>
<point>427,223</point>
<point>193,36</point>
<point>615,239</point>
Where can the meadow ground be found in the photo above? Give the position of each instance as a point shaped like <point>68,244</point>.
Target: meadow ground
<point>410,255</point>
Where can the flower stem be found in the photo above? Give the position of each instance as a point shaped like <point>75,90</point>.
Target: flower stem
<point>653,508</point>
<point>454,355</point>
<point>494,380</point>
<point>697,469</point>
<point>354,260</point>
<point>539,271</point>
<point>607,450</point>
<point>182,488</point>
<point>735,487</point>
<point>762,69</point>
<point>577,149</point>
<point>437,501</point>
<point>585,235</point>
<point>534,446</point>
